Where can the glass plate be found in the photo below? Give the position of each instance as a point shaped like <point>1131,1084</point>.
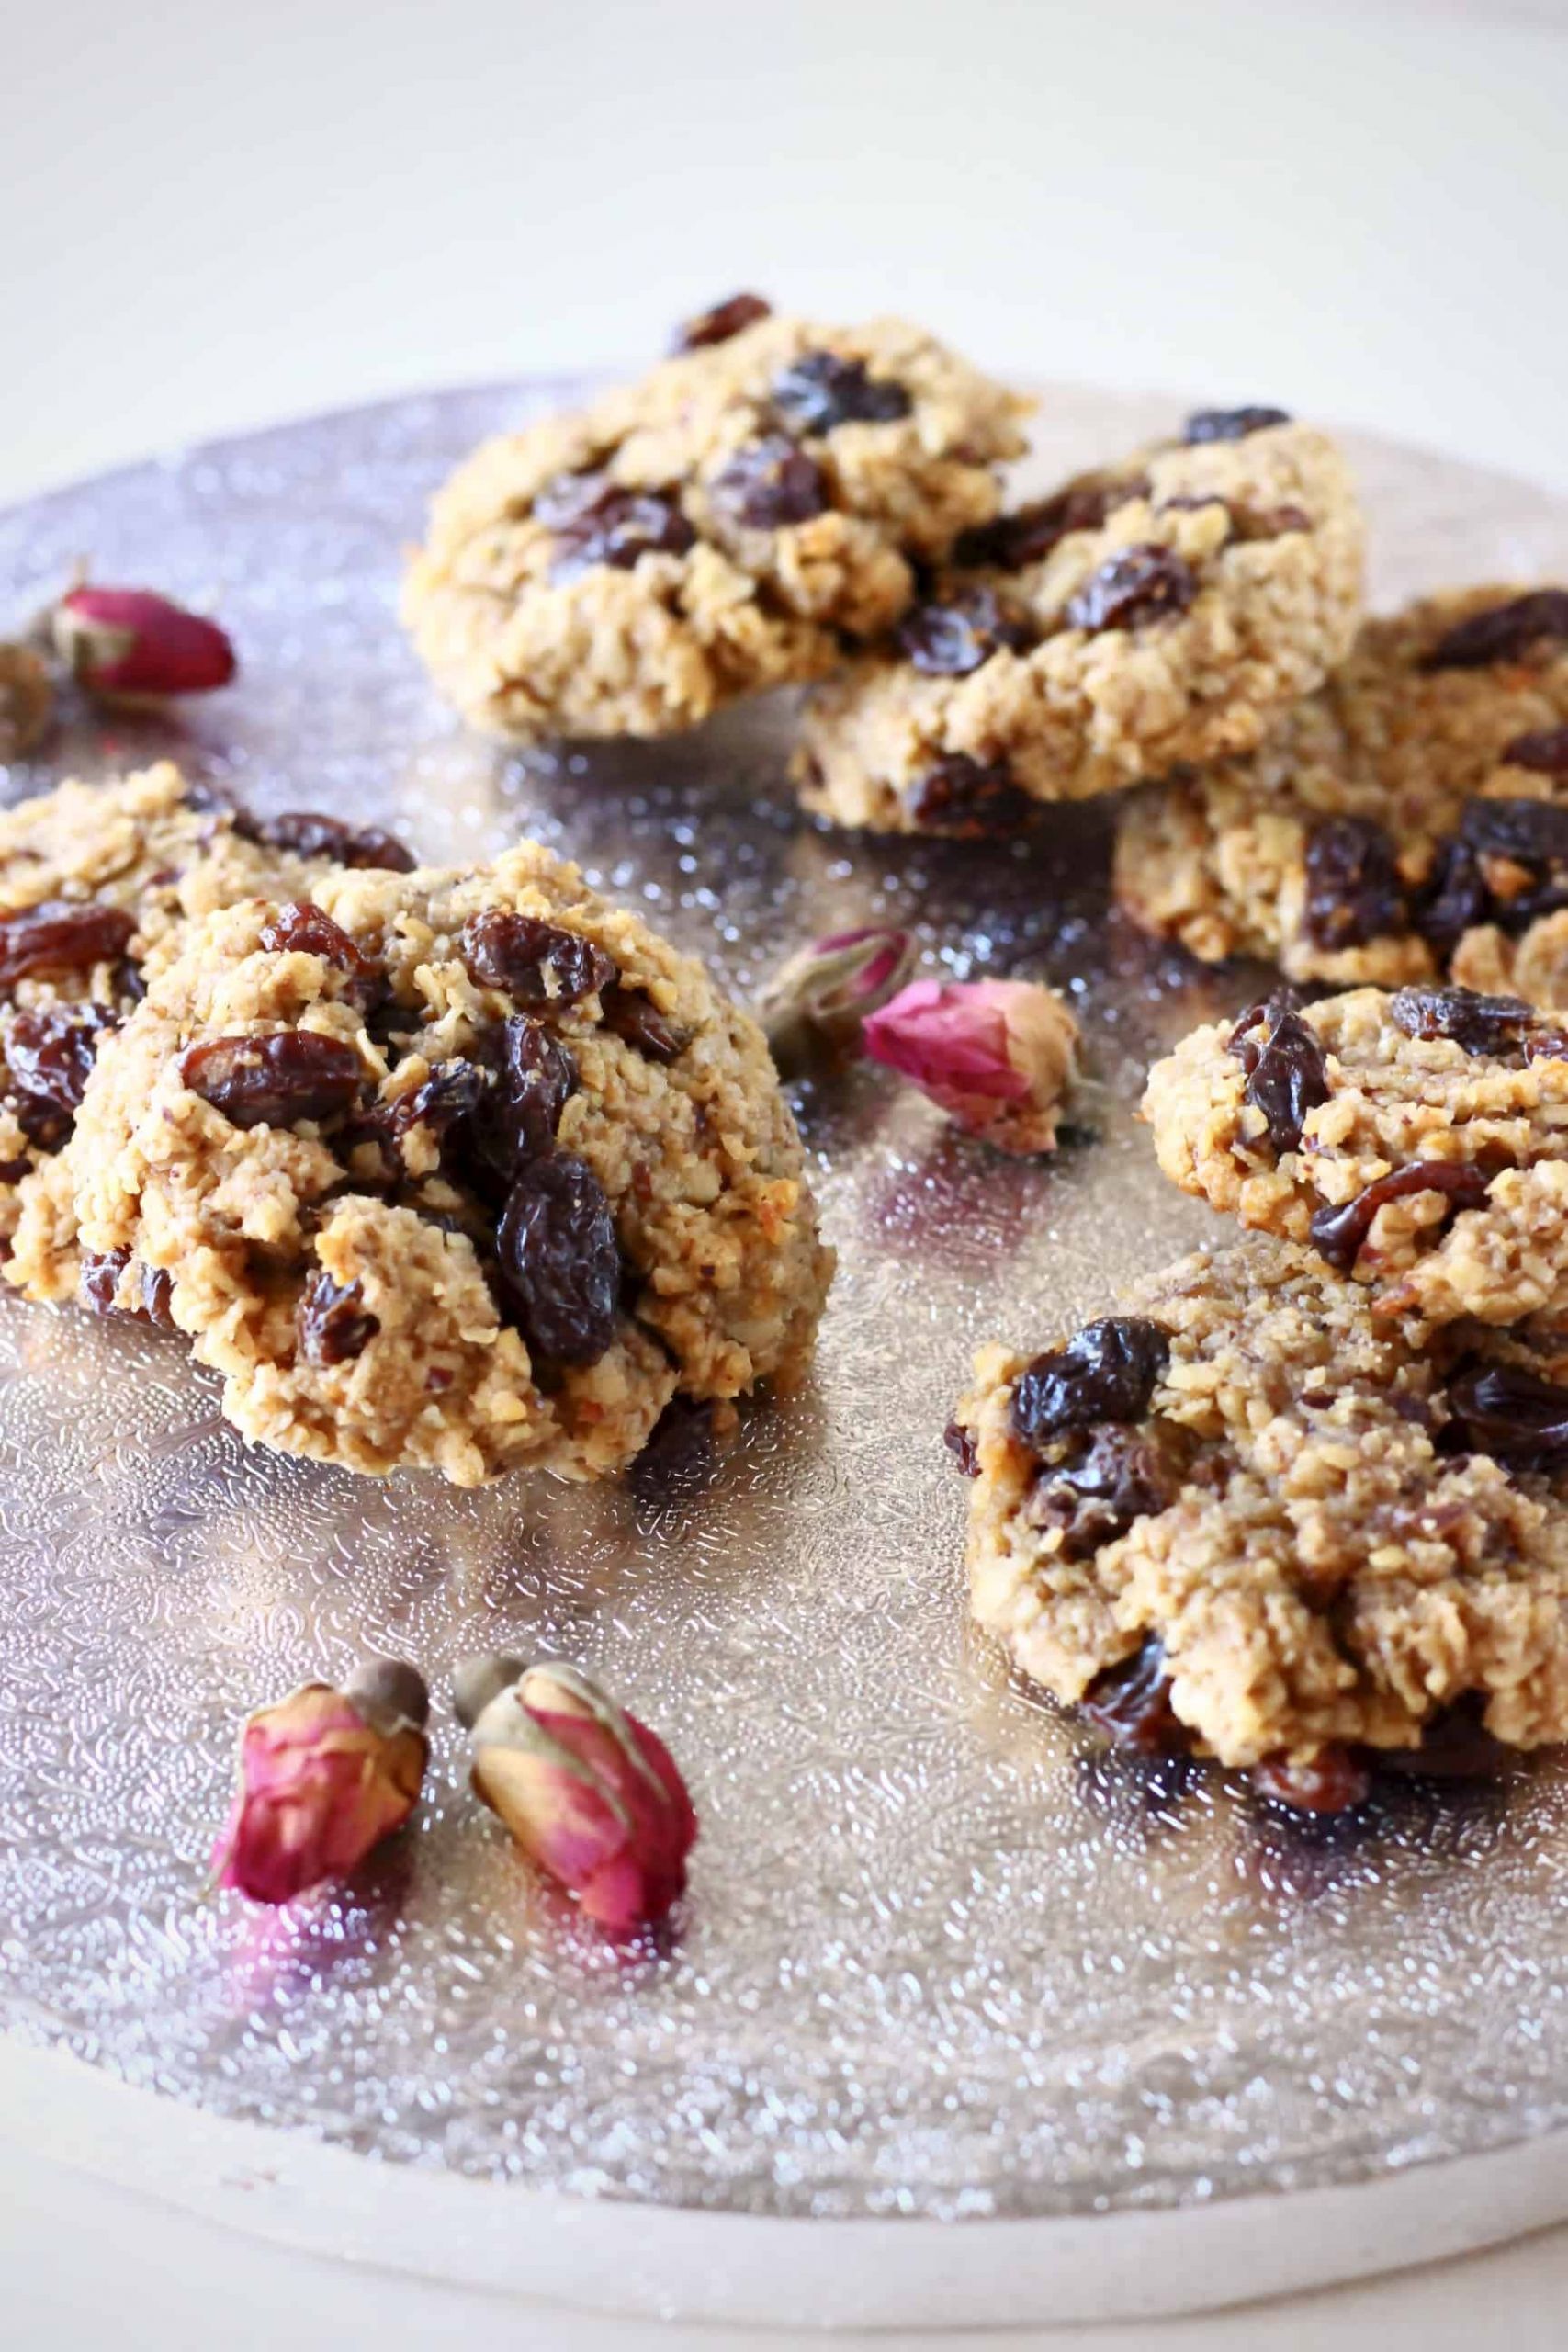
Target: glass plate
<point>939,1956</point>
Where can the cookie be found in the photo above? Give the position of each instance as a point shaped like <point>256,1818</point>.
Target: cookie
<point>95,883</point>
<point>1167,610</point>
<point>1405,822</point>
<point>722,526</point>
<point>1418,1141</point>
<point>1242,1517</point>
<point>465,1170</point>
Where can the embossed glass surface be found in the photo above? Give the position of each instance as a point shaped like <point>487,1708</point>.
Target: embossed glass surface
<point>939,1956</point>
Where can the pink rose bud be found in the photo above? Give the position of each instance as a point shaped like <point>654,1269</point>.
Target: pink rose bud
<point>817,1002</point>
<point>324,1776</point>
<point>129,645</point>
<point>588,1792</point>
<point>997,1055</point>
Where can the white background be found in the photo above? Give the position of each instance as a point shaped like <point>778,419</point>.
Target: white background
<point>214,215</point>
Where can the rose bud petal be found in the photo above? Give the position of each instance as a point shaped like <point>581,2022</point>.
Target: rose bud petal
<point>997,1055</point>
<point>130,645</point>
<point>818,1000</point>
<point>324,1776</point>
<point>588,1792</point>
<point>26,701</point>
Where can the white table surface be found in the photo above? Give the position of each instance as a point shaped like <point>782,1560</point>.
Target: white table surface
<point>212,217</point>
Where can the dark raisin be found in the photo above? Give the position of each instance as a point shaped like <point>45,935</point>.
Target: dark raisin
<point>961,1446</point>
<point>558,1250</point>
<point>636,1021</point>
<point>1014,540</point>
<point>1509,1413</point>
<point>1140,584</point>
<point>50,1052</point>
<point>273,1080</point>
<point>1338,1233</point>
<point>820,390</point>
<point>1506,633</point>
<point>1546,752</point>
<point>99,1280</point>
<point>1108,1373</point>
<point>969,799</point>
<point>1531,832</point>
<point>1482,1024</point>
<point>594,522</point>
<point>302,929</point>
<point>532,961</point>
<point>1353,889</point>
<point>1454,898</point>
<point>334,1325</point>
<point>768,483</point>
<point>62,935</point>
<point>309,833</point>
<point>1455,1746</point>
<point>1250,524</point>
<point>1229,423</point>
<point>1287,1073</point>
<point>950,639</point>
<point>1119,1475</point>
<point>1131,1704</point>
<point>681,1457</point>
<point>532,1075</point>
<point>451,1095</point>
<point>725,319</point>
<point>1331,1780</point>
<point>1546,1046</point>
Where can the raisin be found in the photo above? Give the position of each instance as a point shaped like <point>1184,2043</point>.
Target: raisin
<point>1454,899</point>
<point>1140,584</point>
<point>594,522</point>
<point>50,1052</point>
<point>1545,752</point>
<point>1505,634</point>
<point>950,639</point>
<point>1287,1074</point>
<point>970,800</point>
<point>532,1075</point>
<point>1482,1024</point>
<point>771,482</point>
<point>636,1021</point>
<point>1509,1413</point>
<point>533,962</point>
<point>1455,1746</point>
<point>273,1080</point>
<point>334,1325</point>
<point>1353,889</point>
<point>681,1454</point>
<point>1333,1780</point>
<point>725,319</point>
<point>961,1446</point>
<point>309,833</point>
<point>1229,423</point>
<point>1119,1474</point>
<point>452,1094</point>
<point>1109,1373</point>
<point>98,1286</point>
<point>1011,541</point>
<point>1531,832</point>
<point>1131,1704</point>
<point>1546,1046</point>
<point>558,1256</point>
<point>302,929</point>
<point>820,390</point>
<point>1250,524</point>
<point>1338,1233</point>
<point>62,935</point>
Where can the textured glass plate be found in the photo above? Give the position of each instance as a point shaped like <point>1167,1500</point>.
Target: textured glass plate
<point>938,1957</point>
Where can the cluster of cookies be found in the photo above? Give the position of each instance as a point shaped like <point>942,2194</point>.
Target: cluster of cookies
<point>461,1168</point>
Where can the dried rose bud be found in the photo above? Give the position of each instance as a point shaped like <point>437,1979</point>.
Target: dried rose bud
<point>26,701</point>
<point>818,1000</point>
<point>589,1793</point>
<point>129,645</point>
<point>324,1776</point>
<point>997,1055</point>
